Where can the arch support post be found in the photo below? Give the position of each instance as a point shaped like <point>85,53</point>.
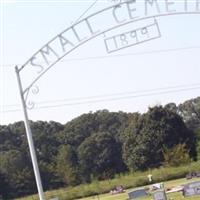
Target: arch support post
<point>30,139</point>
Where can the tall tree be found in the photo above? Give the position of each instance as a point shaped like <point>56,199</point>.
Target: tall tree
<point>190,111</point>
<point>176,156</point>
<point>66,165</point>
<point>198,144</point>
<point>100,156</point>
<point>15,166</point>
<point>4,187</point>
<point>145,137</point>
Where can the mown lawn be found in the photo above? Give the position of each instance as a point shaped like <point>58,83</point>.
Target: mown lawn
<point>171,176</point>
<point>124,196</point>
<point>168,184</point>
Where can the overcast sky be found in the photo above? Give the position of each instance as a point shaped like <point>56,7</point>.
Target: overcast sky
<point>162,70</point>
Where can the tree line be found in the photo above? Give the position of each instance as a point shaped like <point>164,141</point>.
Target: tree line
<point>98,145</point>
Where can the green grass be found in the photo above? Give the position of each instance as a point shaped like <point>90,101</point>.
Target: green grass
<point>129,180</point>
<point>168,184</point>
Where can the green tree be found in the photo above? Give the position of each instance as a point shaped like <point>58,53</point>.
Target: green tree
<point>4,187</point>
<point>8,139</point>
<point>198,150</point>
<point>46,145</point>
<point>82,127</point>
<point>144,139</point>
<point>66,165</point>
<point>13,137</point>
<point>15,166</point>
<point>100,156</point>
<point>198,144</point>
<point>190,112</point>
<point>176,156</point>
<point>45,139</point>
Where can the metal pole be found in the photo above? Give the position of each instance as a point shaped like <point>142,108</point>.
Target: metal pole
<point>30,139</point>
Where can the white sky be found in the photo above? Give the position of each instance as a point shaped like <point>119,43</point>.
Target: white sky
<point>90,71</point>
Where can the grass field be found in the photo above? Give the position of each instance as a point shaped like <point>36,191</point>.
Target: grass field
<point>171,176</point>
<point>168,184</point>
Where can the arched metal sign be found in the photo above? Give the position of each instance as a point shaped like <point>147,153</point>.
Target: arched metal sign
<point>125,14</point>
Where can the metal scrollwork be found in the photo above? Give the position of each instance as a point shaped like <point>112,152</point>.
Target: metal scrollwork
<point>35,89</point>
<point>32,90</point>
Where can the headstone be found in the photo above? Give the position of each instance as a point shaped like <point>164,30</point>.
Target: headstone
<point>137,193</point>
<point>159,195</point>
<point>191,189</point>
<point>198,174</point>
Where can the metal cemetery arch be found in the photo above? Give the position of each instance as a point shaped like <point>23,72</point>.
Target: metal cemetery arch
<point>70,39</point>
